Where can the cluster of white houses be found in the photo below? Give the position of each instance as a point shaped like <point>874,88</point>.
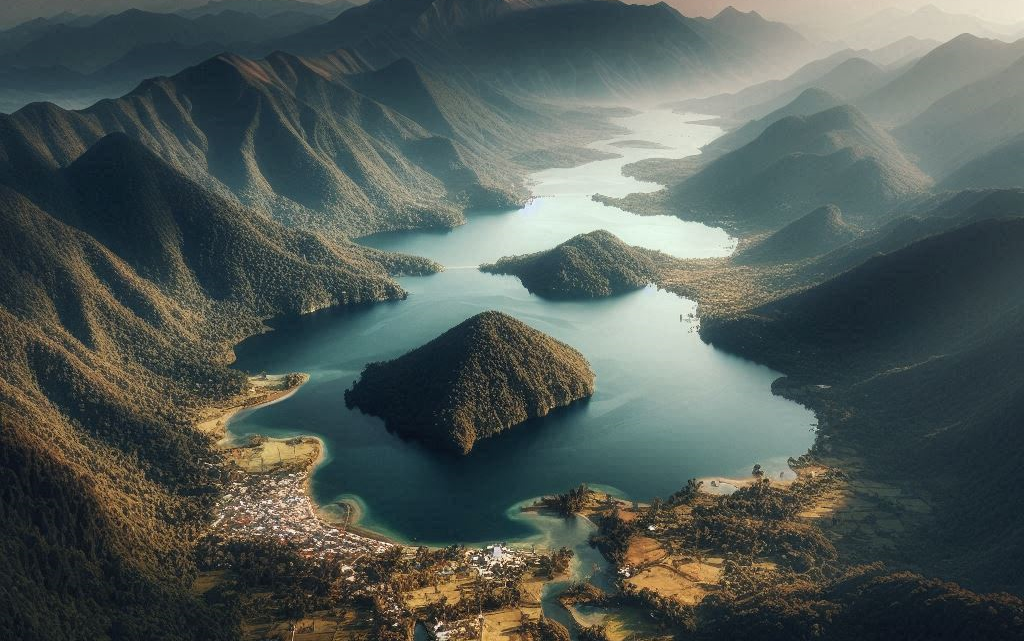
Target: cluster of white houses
<point>276,507</point>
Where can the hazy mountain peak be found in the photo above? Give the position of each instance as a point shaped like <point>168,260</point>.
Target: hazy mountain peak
<point>929,9</point>
<point>816,233</point>
<point>797,164</point>
<point>732,13</point>
<point>839,117</point>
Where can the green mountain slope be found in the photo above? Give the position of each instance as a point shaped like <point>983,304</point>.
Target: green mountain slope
<point>284,134</point>
<point>817,233</point>
<point>482,377</point>
<point>949,67</point>
<point>127,284</point>
<point>808,103</point>
<point>799,164</point>
<point>588,266</point>
<point>920,345</point>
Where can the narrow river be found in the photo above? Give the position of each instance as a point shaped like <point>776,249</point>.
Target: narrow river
<point>668,407</point>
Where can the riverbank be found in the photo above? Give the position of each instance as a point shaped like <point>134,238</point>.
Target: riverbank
<point>263,390</point>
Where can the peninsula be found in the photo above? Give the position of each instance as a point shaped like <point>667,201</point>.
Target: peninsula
<point>482,377</point>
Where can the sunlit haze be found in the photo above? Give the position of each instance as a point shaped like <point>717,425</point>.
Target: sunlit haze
<point>1005,11</point>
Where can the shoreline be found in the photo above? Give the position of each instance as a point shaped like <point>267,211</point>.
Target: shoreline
<point>217,425</point>
<point>214,420</point>
<point>330,513</point>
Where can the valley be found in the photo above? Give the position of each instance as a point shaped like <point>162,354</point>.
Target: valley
<point>572,445</point>
<point>530,320</point>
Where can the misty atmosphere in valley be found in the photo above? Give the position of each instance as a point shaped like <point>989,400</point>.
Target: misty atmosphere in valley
<point>511,320</point>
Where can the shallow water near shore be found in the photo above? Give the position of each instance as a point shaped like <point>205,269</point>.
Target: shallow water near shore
<point>667,408</point>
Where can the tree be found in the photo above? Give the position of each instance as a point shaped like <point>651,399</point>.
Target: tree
<point>686,494</point>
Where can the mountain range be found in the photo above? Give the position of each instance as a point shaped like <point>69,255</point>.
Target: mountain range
<point>20,11</point>
<point>127,286</point>
<point>243,127</point>
<point>967,123</point>
<point>89,48</point>
<point>954,112</point>
<point>268,8</point>
<point>955,64</point>
<point>925,382</point>
<point>928,22</point>
<point>848,73</point>
<point>797,164</point>
<point>145,235</point>
<point>565,47</point>
<point>532,47</point>
<point>76,62</point>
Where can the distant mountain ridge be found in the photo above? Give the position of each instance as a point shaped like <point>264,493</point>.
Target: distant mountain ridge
<point>78,62</point>
<point>850,81</point>
<point>267,8</point>
<point>576,47</point>
<point>969,122</point>
<point>244,126</point>
<point>87,49</point>
<point>808,103</point>
<point>927,22</point>
<point>597,49</point>
<point>797,164</point>
<point>949,67</point>
<point>847,73</point>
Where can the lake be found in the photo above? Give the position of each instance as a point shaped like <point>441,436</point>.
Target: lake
<point>667,408</point>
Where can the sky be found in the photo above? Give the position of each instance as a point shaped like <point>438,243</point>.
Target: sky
<point>795,11</point>
<point>803,11</point>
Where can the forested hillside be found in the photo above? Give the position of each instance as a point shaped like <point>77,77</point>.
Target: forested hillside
<point>124,297</point>
<point>909,355</point>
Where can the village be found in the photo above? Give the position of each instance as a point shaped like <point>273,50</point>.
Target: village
<point>458,593</point>
<point>276,507</point>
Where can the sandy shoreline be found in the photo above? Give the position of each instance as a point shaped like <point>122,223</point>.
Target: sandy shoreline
<point>264,392</point>
<point>313,452</point>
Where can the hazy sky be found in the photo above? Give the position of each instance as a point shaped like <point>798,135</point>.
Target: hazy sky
<point>1007,11</point>
<point>796,11</point>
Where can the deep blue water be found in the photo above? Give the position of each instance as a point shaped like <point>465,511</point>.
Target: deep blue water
<point>667,406</point>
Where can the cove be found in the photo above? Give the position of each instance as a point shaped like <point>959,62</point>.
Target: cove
<point>667,408</point>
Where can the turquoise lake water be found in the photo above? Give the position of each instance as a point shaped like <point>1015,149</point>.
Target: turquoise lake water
<point>667,408</point>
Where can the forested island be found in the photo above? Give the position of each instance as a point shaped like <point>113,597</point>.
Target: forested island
<point>591,265</point>
<point>482,377</point>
